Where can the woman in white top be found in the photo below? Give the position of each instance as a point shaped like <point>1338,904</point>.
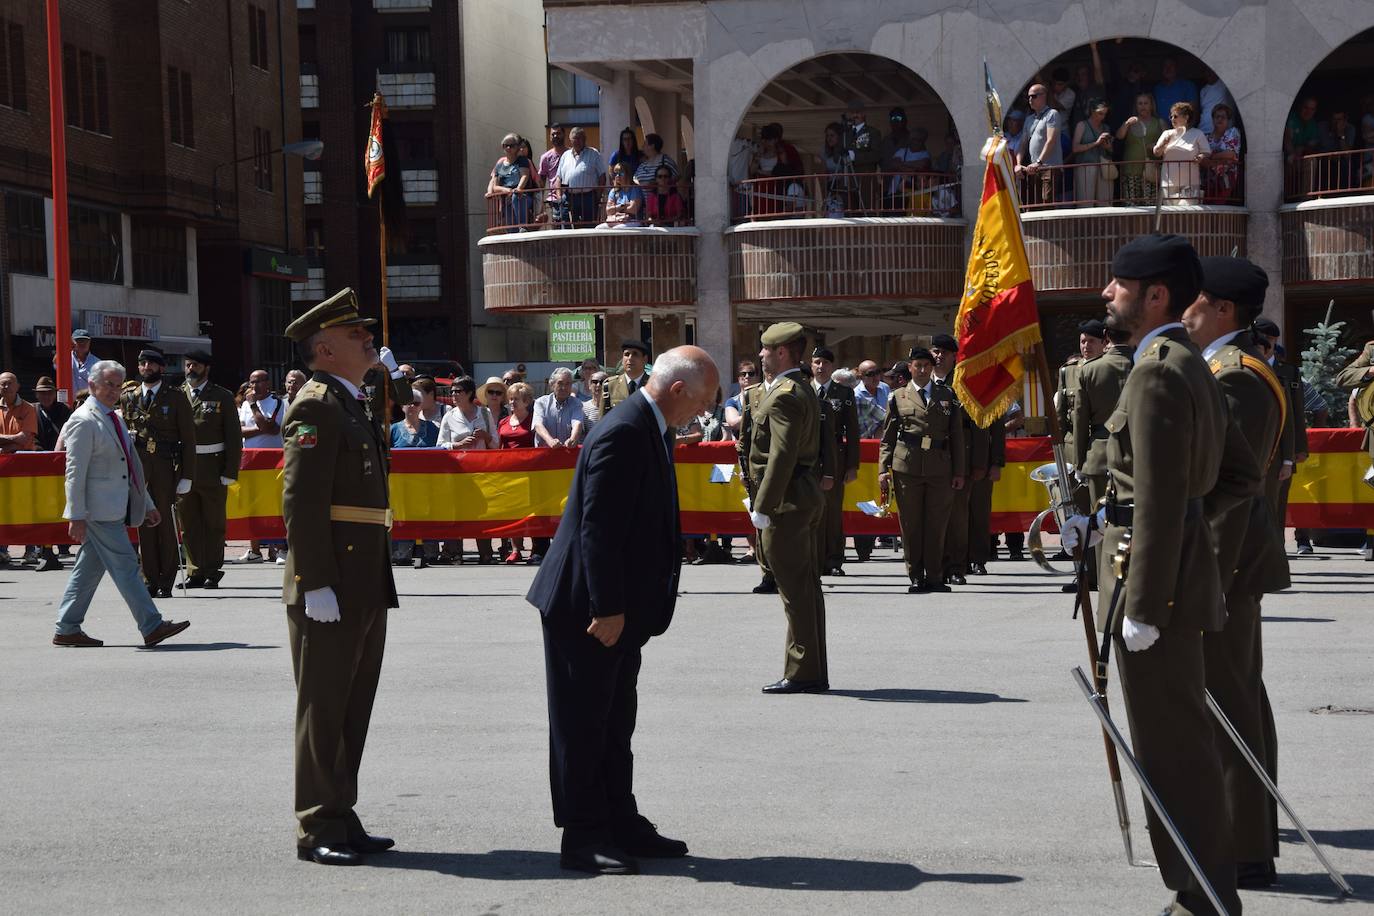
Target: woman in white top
<point>1183,150</point>
<point>469,425</point>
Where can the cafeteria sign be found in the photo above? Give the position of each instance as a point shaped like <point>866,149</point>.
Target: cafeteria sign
<point>572,337</point>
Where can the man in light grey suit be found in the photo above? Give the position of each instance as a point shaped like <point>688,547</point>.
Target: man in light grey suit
<point>105,492</point>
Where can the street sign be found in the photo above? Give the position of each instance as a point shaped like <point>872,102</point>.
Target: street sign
<point>572,337</point>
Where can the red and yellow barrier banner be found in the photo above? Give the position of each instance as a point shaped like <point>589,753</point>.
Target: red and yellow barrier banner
<point>515,493</point>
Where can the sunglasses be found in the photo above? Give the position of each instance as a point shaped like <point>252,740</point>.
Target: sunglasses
<point>874,374</point>
<point>748,374</point>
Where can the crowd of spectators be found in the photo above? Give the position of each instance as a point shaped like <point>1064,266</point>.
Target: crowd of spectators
<point>574,186</point>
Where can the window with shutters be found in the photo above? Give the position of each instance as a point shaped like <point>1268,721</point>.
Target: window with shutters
<point>26,234</point>
<point>262,159</point>
<point>257,37</point>
<point>13,79</point>
<point>86,90</point>
<point>159,255</point>
<point>97,244</point>
<point>180,113</point>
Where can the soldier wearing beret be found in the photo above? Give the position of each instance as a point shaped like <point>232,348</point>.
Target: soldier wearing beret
<point>843,427</point>
<point>1250,556</point>
<point>219,444</point>
<point>1100,380</point>
<point>1164,455</point>
<point>163,430</point>
<point>1357,376</point>
<point>945,349</point>
<point>338,583</point>
<point>631,377</point>
<point>1293,450</point>
<point>922,460</point>
<point>784,454</point>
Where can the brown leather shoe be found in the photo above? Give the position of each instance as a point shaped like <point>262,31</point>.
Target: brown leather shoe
<point>77,640</point>
<point>165,630</point>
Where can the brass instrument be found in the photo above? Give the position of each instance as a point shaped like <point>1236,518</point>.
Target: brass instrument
<point>1061,507</point>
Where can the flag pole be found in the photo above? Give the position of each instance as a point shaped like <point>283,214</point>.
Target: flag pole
<point>381,255</point>
<point>1083,603</point>
<point>62,286</point>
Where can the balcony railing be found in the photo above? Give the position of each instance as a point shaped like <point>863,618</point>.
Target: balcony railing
<point>846,194</point>
<point>1330,175</point>
<point>583,208</point>
<point>1140,183</point>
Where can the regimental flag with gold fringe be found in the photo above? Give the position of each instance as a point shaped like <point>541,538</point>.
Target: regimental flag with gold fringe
<point>997,319</point>
<point>374,156</point>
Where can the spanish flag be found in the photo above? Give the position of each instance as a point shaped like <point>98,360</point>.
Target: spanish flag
<point>997,319</point>
<point>374,159</point>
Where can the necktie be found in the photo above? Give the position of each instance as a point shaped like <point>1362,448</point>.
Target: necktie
<point>631,386</point>
<point>124,447</point>
<point>925,401</point>
<point>147,399</point>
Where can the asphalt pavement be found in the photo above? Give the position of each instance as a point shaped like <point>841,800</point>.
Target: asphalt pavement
<point>953,768</point>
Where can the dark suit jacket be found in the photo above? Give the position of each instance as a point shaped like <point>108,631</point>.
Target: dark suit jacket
<point>616,550</point>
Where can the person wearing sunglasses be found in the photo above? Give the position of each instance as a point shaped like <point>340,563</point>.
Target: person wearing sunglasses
<point>624,202</point>
<point>1041,152</point>
<point>664,206</point>
<point>510,183</point>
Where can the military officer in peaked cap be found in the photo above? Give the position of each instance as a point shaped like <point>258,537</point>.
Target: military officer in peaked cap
<point>163,430</point>
<point>1164,455</point>
<point>1250,555</point>
<point>338,583</point>
<point>945,349</point>
<point>842,448</point>
<point>219,445</point>
<point>631,377</point>
<point>922,462</point>
<point>784,451</point>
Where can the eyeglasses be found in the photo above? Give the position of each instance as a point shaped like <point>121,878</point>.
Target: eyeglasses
<point>598,382</point>
<point>874,374</point>
<point>747,373</point>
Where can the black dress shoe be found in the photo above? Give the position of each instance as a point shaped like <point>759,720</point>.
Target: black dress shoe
<point>599,859</point>
<point>49,564</point>
<point>640,837</point>
<point>1016,556</point>
<point>920,587</point>
<point>1251,875</point>
<point>1070,588</point>
<point>163,593</point>
<point>956,579</point>
<point>328,855</point>
<point>195,582</point>
<point>766,587</point>
<point>787,685</point>
<point>977,569</point>
<point>835,571</point>
<point>367,843</point>
<point>940,587</point>
<point>212,580</point>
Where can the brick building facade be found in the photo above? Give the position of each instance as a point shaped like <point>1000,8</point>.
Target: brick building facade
<point>182,209</point>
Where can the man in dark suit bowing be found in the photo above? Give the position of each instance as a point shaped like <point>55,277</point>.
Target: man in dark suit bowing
<point>604,589</point>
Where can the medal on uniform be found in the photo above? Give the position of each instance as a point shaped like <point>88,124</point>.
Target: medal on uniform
<point>152,446</point>
<point>926,443</point>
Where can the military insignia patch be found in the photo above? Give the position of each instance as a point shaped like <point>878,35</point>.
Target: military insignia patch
<point>307,436</point>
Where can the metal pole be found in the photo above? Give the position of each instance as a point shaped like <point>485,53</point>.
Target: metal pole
<point>1263,775</point>
<point>381,234</point>
<point>62,286</point>
<point>1095,701</point>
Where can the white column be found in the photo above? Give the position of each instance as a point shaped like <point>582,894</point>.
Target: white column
<point>617,111</point>
<point>715,317</point>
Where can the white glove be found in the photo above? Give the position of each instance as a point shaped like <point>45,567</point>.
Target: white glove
<point>1077,528</point>
<point>1138,636</point>
<point>183,487</point>
<point>226,481</point>
<point>760,520</point>
<point>322,605</point>
<point>388,359</point>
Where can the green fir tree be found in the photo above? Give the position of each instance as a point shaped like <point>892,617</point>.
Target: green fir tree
<point>1324,359</point>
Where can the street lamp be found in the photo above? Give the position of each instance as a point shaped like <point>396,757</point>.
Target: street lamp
<point>306,149</point>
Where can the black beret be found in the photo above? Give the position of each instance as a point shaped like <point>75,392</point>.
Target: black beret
<point>1156,255</point>
<point>824,353</point>
<point>199,356</point>
<point>152,356</point>
<point>1237,279</point>
<point>631,344</point>
<point>1093,327</point>
<point>945,342</point>
<point>1266,327</point>
<point>919,353</point>
<point>900,369</point>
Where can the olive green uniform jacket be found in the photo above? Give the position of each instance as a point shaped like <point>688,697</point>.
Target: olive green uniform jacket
<point>617,388</point>
<point>1353,377</point>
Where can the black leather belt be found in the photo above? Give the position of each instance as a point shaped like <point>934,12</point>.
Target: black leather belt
<point>1098,431</point>
<point>1123,514</point>
<point>914,441</point>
